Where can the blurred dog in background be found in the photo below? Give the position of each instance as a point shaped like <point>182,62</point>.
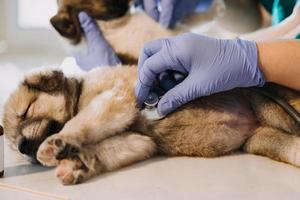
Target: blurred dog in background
<point>126,31</point>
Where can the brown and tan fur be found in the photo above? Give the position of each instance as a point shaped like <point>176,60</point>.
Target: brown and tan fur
<point>103,129</point>
<point>125,32</point>
<point>90,125</point>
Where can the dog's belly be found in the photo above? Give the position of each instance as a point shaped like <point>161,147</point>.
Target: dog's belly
<point>208,127</point>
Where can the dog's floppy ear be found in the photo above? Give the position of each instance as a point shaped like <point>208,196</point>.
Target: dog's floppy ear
<point>47,80</point>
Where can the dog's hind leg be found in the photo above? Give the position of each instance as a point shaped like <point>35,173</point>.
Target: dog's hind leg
<point>275,144</point>
<point>108,155</point>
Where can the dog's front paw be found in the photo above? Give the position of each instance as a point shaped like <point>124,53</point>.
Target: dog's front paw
<point>71,171</point>
<point>80,167</point>
<point>54,149</point>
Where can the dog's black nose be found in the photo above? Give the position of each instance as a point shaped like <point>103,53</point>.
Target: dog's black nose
<point>24,146</point>
<point>28,148</point>
<point>65,25</point>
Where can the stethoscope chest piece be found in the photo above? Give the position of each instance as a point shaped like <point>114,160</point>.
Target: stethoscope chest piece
<point>150,110</point>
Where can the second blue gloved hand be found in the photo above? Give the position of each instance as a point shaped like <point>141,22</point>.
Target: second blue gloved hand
<point>171,12</point>
<point>99,52</point>
<point>211,66</point>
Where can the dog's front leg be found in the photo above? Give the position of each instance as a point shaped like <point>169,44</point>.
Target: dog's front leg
<point>111,154</point>
<point>109,113</point>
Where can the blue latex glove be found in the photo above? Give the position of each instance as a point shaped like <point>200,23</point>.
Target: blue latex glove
<point>211,66</point>
<point>99,52</point>
<point>172,11</point>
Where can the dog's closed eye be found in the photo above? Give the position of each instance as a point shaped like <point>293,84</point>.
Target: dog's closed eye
<point>22,114</point>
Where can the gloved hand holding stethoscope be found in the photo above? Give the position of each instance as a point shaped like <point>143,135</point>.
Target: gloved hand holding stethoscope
<point>209,65</point>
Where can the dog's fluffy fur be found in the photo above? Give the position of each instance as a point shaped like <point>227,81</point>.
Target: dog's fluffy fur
<point>103,130</point>
<point>90,125</point>
<point>125,32</point>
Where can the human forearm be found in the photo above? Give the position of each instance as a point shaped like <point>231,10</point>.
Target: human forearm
<point>280,62</point>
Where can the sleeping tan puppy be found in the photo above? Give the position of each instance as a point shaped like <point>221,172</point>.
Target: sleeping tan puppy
<point>90,125</point>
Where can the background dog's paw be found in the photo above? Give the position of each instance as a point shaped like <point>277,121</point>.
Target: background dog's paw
<point>54,149</point>
<point>71,171</point>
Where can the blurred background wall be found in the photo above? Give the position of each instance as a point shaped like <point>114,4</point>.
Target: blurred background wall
<point>25,26</point>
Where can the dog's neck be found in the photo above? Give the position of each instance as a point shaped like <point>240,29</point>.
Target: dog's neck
<point>115,23</point>
<point>128,34</point>
<point>73,95</point>
<point>78,92</point>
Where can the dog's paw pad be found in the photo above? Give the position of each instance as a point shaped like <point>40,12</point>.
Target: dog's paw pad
<point>49,150</point>
<point>70,172</point>
<point>58,142</point>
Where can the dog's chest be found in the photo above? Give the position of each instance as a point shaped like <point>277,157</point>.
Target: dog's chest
<point>129,34</point>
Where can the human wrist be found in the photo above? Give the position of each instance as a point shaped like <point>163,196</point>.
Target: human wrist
<point>250,49</point>
<point>264,61</point>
